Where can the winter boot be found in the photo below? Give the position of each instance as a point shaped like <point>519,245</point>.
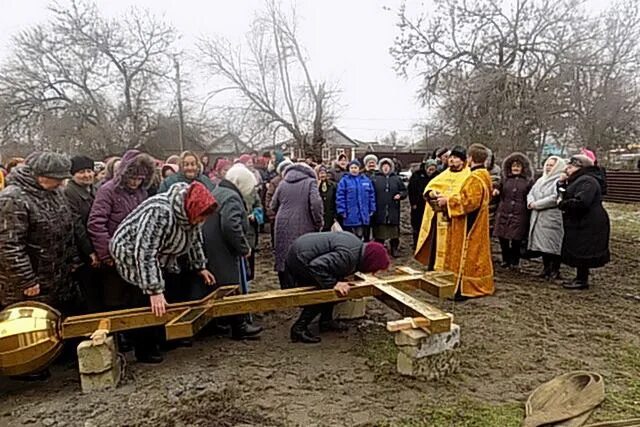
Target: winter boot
<point>300,331</point>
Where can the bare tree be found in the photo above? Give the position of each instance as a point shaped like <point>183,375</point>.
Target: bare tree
<point>98,73</point>
<point>512,74</point>
<point>274,78</point>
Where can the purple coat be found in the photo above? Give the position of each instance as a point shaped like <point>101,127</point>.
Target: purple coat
<point>298,208</point>
<point>512,216</point>
<point>114,201</point>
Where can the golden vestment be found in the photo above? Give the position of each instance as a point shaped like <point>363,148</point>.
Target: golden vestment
<point>461,246</point>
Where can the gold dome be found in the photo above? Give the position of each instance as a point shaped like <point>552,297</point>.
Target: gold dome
<point>29,337</point>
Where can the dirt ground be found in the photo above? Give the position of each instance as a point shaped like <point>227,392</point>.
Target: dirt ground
<point>524,335</point>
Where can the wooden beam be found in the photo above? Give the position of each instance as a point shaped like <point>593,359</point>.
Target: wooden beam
<point>408,323</point>
<point>187,324</point>
<point>122,320</point>
<point>408,306</point>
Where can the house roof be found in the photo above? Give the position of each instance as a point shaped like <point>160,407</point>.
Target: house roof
<point>227,143</point>
<point>334,137</point>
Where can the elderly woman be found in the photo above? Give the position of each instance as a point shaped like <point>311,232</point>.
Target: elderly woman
<point>298,209</point>
<point>545,229</point>
<point>512,216</point>
<point>150,239</point>
<point>327,190</point>
<point>114,200</point>
<point>190,170</point>
<point>390,190</point>
<point>586,223</point>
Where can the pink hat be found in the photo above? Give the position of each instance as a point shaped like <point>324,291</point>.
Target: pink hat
<point>245,158</point>
<point>590,154</point>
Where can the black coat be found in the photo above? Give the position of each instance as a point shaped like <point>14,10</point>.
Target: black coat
<point>586,222</point>
<point>388,209</point>
<point>80,202</point>
<point>225,237</point>
<point>417,183</point>
<point>323,259</point>
<point>512,215</point>
<point>328,195</point>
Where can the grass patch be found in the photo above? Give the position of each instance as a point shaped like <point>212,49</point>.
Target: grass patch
<point>466,414</point>
<point>625,219</point>
<point>622,401</point>
<point>377,346</point>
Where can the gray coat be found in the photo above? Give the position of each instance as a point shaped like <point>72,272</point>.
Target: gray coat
<point>545,229</point>
<point>298,207</point>
<point>225,237</point>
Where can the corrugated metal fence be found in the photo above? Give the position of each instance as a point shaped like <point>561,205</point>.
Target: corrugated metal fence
<point>623,186</point>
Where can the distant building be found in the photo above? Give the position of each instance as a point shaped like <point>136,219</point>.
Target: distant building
<point>337,142</point>
<point>229,145</point>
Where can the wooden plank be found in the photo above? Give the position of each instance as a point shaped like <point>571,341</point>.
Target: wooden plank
<point>186,325</point>
<point>437,285</point>
<point>122,320</point>
<point>408,323</point>
<point>277,300</point>
<point>407,305</point>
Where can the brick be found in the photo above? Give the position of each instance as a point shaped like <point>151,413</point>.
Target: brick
<point>95,359</point>
<point>411,337</point>
<point>351,309</point>
<point>108,379</point>
<point>431,368</point>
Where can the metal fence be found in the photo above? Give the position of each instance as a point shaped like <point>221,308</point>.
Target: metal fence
<point>623,186</point>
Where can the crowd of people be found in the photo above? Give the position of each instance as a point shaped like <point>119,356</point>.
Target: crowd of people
<point>86,236</point>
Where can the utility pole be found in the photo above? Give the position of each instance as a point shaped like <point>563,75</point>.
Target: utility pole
<point>179,95</point>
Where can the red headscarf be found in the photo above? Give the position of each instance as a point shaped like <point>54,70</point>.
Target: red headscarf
<point>199,201</point>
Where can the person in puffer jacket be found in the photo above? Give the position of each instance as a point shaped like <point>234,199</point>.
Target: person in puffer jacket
<point>150,240</point>
<point>355,200</point>
<point>36,232</point>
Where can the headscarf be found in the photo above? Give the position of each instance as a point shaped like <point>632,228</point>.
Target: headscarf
<point>199,201</point>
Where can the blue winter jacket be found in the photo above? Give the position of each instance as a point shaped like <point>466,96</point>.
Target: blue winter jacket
<point>355,200</point>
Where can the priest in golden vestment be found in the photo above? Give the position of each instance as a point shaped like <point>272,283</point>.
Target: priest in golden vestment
<point>455,228</point>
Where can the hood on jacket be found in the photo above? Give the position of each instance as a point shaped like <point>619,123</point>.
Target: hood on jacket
<point>135,163</point>
<point>527,172</point>
<point>387,161</point>
<point>298,172</point>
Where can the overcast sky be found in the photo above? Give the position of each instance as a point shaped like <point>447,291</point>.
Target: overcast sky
<point>347,40</point>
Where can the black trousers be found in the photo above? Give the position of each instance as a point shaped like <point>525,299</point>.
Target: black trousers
<point>510,251</point>
<point>582,274</point>
<point>551,263</point>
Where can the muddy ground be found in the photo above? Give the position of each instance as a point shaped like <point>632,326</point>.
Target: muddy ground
<point>524,335</point>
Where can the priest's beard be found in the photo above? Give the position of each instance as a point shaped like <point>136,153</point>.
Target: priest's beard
<point>456,168</point>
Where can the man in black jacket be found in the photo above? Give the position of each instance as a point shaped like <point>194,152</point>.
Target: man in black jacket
<point>419,179</point>
<point>324,260</point>
<point>80,193</point>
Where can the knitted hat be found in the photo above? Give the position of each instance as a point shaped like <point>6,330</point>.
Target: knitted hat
<point>590,154</point>
<point>355,162</point>
<point>374,258</point>
<point>370,158</point>
<point>169,166</point>
<point>430,162</point>
<point>79,163</point>
<point>581,161</point>
<point>49,165</point>
<point>283,165</point>
<point>199,201</point>
<point>320,168</point>
<point>460,152</point>
<point>222,164</point>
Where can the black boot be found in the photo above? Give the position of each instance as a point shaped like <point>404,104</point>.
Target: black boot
<point>243,330</point>
<point>327,323</point>
<point>124,345</point>
<point>148,354</point>
<point>394,244</point>
<point>546,271</point>
<point>300,331</point>
<point>33,377</point>
<point>576,284</point>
